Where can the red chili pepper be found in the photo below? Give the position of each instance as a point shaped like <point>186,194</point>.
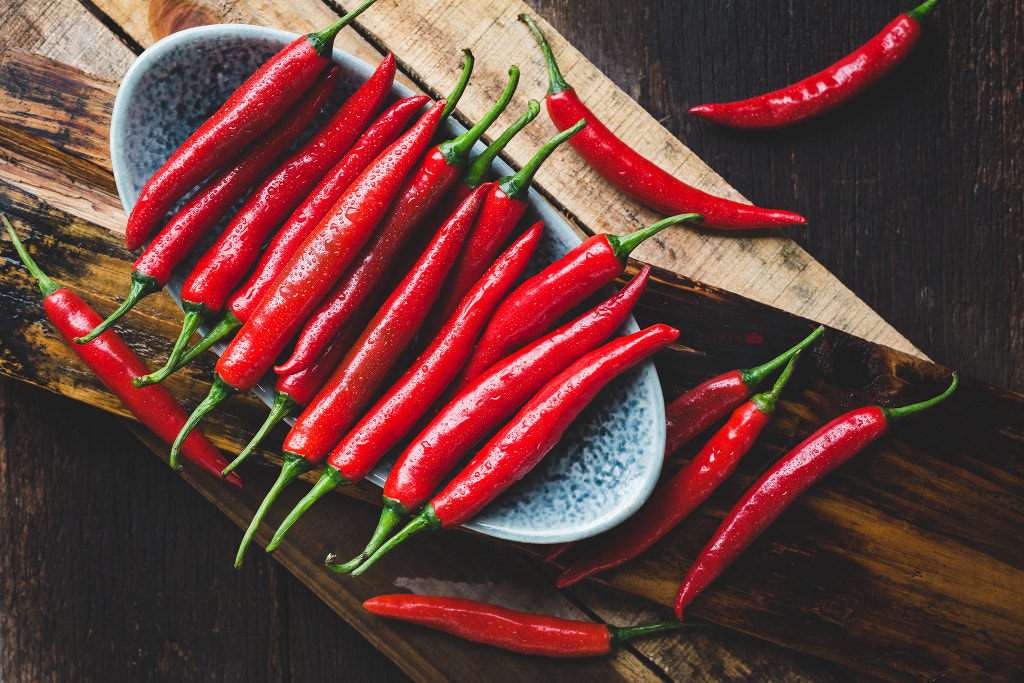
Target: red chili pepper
<point>355,381</point>
<point>535,305</point>
<point>250,110</point>
<point>486,403</point>
<point>680,495</point>
<point>531,434</point>
<point>419,196</point>
<point>829,88</point>
<point>209,204</point>
<point>224,265</point>
<point>637,176</point>
<point>115,364</point>
<point>819,454</point>
<point>409,399</point>
<point>532,634</point>
<point>710,401</point>
<point>319,261</point>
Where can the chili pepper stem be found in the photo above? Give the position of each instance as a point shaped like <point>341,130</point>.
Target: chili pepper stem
<point>227,324</point>
<point>897,413</point>
<point>219,391</point>
<point>46,285</point>
<point>193,319</point>
<point>624,246</point>
<point>458,148</point>
<point>142,286</point>
<point>515,186</point>
<point>425,520</point>
<point>752,377</point>
<point>323,41</point>
<point>623,633</point>
<point>766,402</point>
<point>556,82</point>
<point>477,171</point>
<point>329,480</point>
<point>389,519</point>
<point>460,86</point>
<point>283,404</point>
<point>922,10</point>
<point>294,466</point>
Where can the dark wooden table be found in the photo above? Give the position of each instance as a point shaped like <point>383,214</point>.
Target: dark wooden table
<point>914,194</point>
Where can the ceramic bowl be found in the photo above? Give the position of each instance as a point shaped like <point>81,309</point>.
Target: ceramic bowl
<point>607,463</point>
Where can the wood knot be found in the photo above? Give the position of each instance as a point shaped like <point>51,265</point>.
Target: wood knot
<point>170,16</point>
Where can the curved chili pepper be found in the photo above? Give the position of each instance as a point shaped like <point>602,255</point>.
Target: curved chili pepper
<point>223,266</point>
<point>114,363</point>
<point>319,261</point>
<point>487,402</point>
<point>829,88</point>
<point>637,176</point>
<point>531,434</point>
<point>420,195</point>
<point>208,205</point>
<point>353,384</point>
<point>250,110</point>
<point>823,451</point>
<point>710,401</point>
<point>239,306</point>
<point>388,421</point>
<point>532,634</point>
<point>536,304</point>
<point>681,494</point>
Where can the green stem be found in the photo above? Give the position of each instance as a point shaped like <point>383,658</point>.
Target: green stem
<point>283,404</point>
<point>46,285</point>
<point>766,402</point>
<point>474,176</point>
<point>219,391</point>
<point>621,633</point>
<point>460,87</point>
<point>517,186</point>
<point>897,413</point>
<point>752,377</point>
<point>556,83</point>
<point>322,41</point>
<point>329,480</point>
<point>293,467</point>
<point>390,516</point>
<point>142,286</point>
<point>425,520</point>
<point>224,326</point>
<point>456,151</point>
<point>194,314</point>
<point>922,10</point>
<point>624,246</point>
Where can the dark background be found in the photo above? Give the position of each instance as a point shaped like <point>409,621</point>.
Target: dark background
<point>913,195</point>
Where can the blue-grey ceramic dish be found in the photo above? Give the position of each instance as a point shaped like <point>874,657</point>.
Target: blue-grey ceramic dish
<point>609,460</point>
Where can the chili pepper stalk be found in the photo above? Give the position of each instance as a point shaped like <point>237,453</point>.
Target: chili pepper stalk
<point>477,171</point>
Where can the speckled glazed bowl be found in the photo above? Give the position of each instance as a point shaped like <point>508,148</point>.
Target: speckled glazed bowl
<point>608,461</point>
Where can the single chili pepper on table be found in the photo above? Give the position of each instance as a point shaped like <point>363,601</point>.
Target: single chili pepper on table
<point>237,249</point>
<point>486,403</point>
<point>420,195</point>
<point>381,133</point>
<point>680,495</point>
<point>637,176</point>
<point>250,110</point>
<point>351,387</point>
<point>538,303</point>
<point>114,363</point>
<point>530,435</point>
<point>408,399</point>
<point>532,634</point>
<point>208,205</point>
<point>317,264</point>
<point>823,451</point>
<point>829,88</point>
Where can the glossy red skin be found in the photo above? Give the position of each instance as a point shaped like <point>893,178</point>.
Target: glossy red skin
<point>115,364</point>
<point>411,396</point>
<point>701,407</point>
<point>480,622</point>
<point>209,204</point>
<point>650,185</point>
<point>322,258</point>
<point>250,110</point>
<point>673,500</point>
<point>825,90</point>
<point>535,430</point>
<point>381,133</point>
<point>224,265</point>
<point>420,195</point>
<point>353,384</point>
<point>823,451</point>
<point>538,303</point>
<point>495,396</point>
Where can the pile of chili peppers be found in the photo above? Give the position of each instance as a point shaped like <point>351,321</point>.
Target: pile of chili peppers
<point>376,233</point>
